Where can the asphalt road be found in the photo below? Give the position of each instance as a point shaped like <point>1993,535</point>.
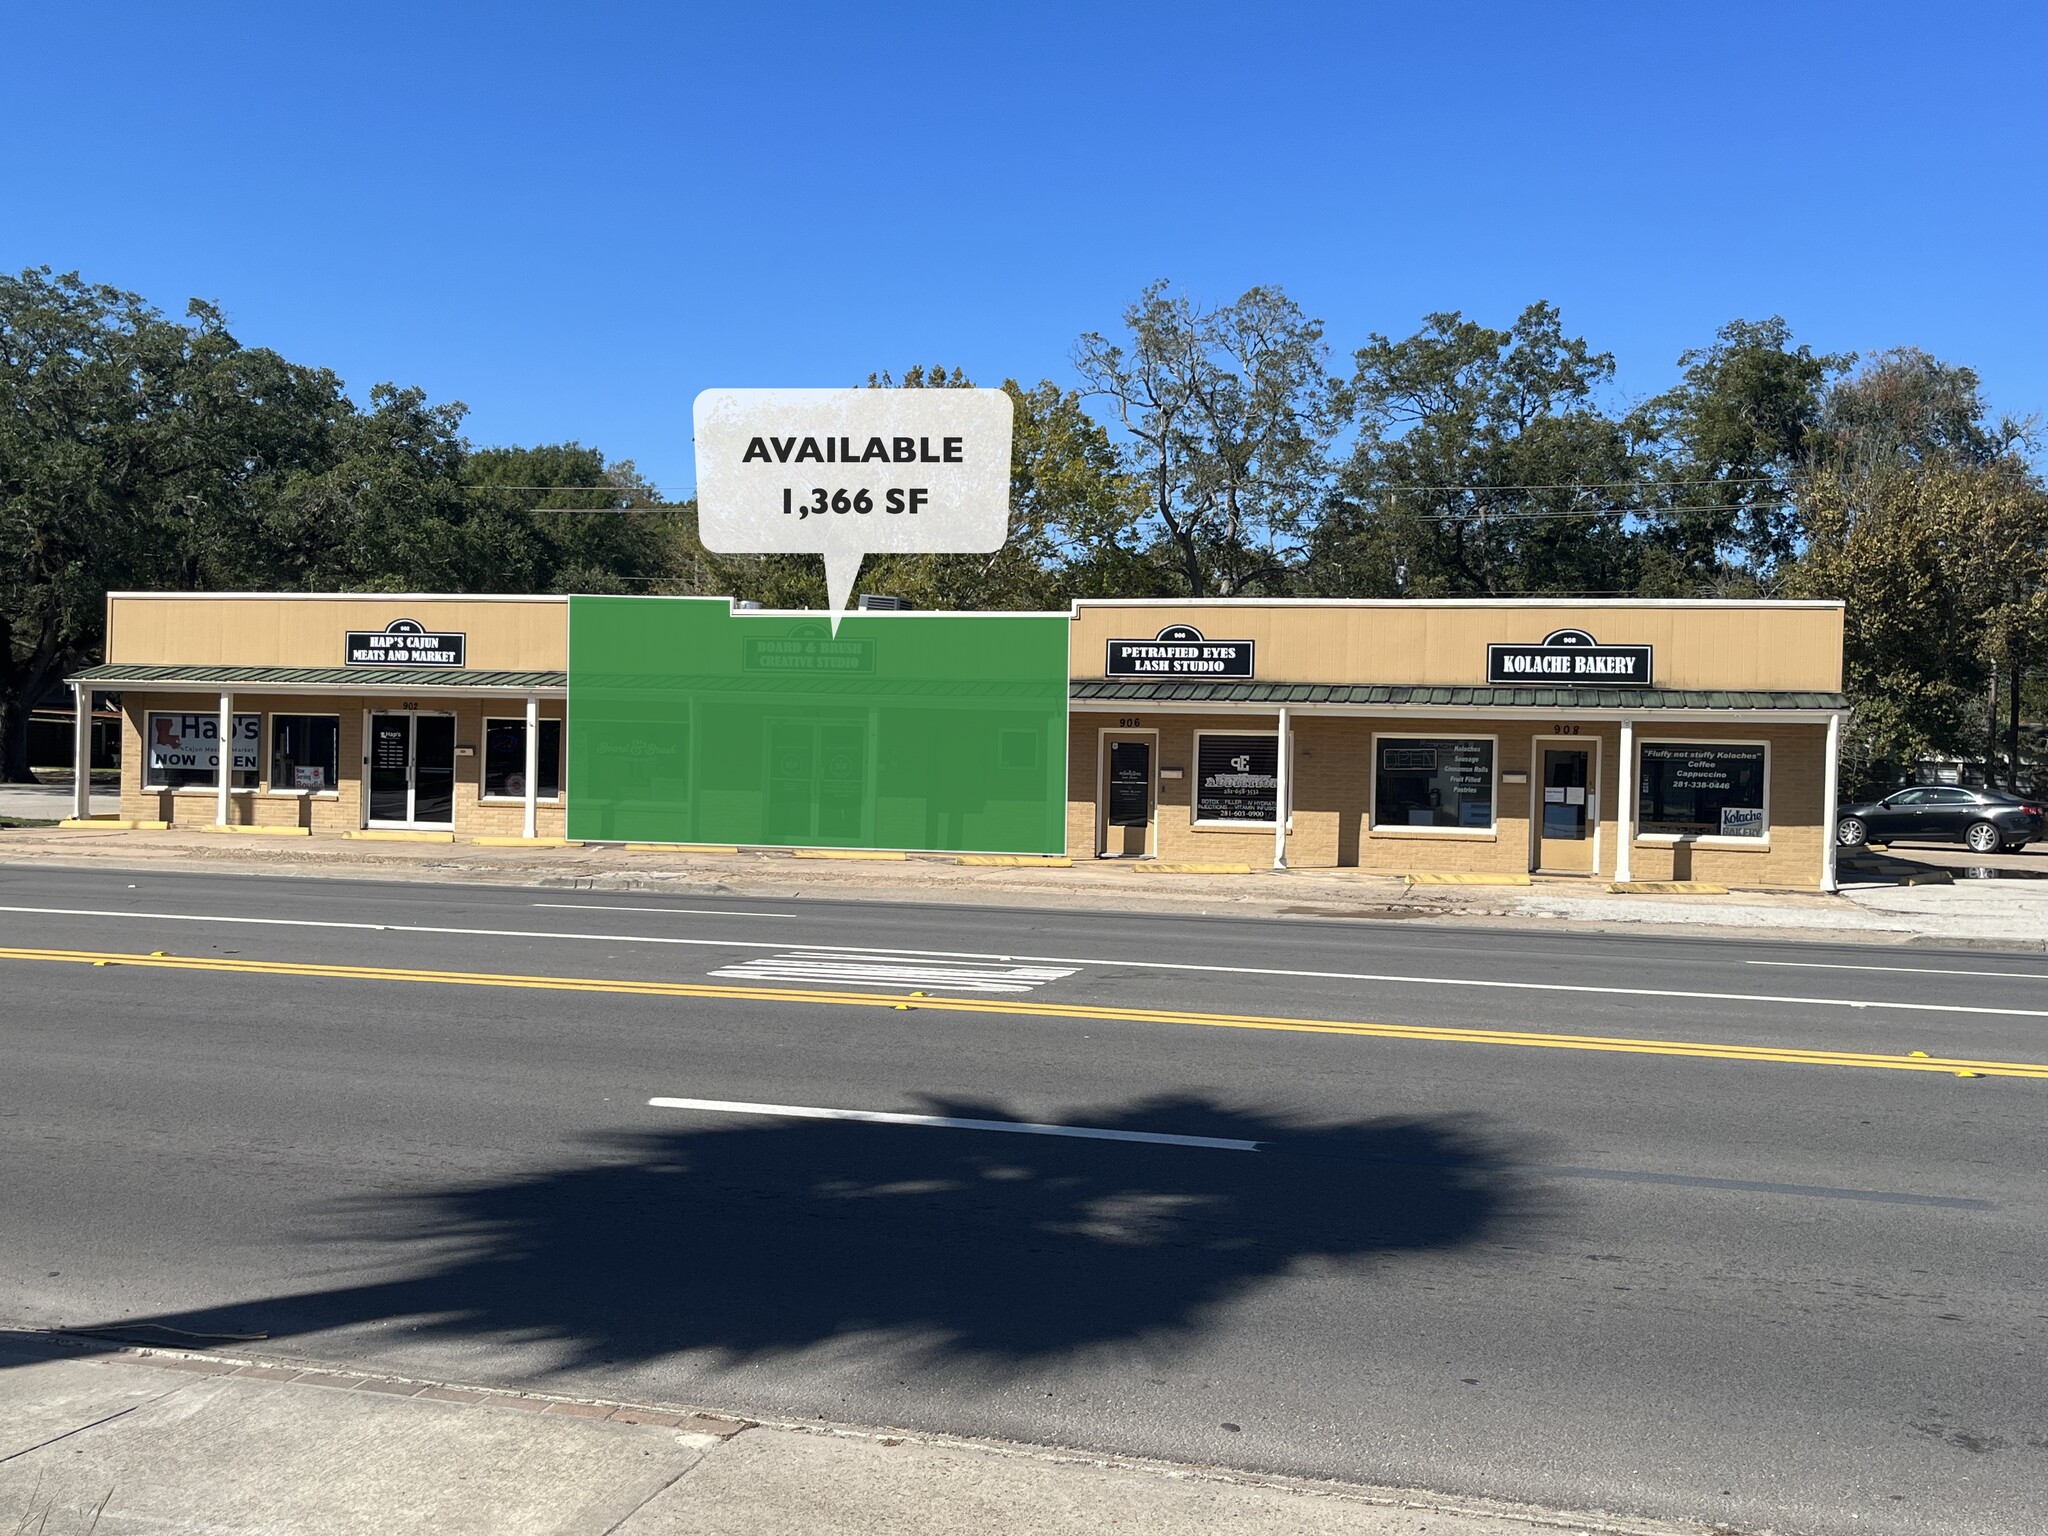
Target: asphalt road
<point>1667,1278</point>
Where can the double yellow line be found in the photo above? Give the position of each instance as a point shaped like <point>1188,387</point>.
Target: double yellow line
<point>1019,1007</point>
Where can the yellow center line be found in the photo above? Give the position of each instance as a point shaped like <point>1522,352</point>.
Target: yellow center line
<point>1780,1055</point>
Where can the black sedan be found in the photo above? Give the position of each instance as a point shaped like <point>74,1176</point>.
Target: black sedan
<point>1983,820</point>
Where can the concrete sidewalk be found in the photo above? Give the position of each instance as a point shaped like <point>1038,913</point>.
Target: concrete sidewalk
<point>111,1441</point>
<point>2005,914</point>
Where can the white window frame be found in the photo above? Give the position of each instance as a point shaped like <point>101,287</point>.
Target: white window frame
<point>1195,787</point>
<point>1699,839</point>
<point>483,763</point>
<point>265,780</point>
<point>211,790</point>
<point>1488,833</point>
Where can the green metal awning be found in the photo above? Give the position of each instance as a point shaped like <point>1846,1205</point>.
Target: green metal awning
<point>369,679</point>
<point>1410,695</point>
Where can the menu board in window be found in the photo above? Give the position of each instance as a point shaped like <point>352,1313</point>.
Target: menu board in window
<point>1702,789</point>
<point>1238,778</point>
<point>1435,781</point>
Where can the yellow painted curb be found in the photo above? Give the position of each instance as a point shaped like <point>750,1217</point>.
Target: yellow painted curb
<point>1016,860</point>
<point>109,824</point>
<point>520,842</point>
<point>681,847</point>
<point>1426,877</point>
<point>258,831</point>
<point>1154,867</point>
<point>378,835</point>
<point>893,857</point>
<point>1667,888</point>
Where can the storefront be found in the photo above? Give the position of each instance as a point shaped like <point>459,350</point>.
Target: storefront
<point>1623,740</point>
<point>1628,740</point>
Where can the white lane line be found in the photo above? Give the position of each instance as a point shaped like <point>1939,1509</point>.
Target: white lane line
<point>867,968</point>
<point>601,906</point>
<point>1916,970</point>
<point>1575,988</point>
<point>879,1117</point>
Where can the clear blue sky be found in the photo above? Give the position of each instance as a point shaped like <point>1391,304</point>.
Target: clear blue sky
<point>574,217</point>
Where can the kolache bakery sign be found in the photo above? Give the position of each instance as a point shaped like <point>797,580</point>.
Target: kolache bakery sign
<point>1179,650</point>
<point>1570,656</point>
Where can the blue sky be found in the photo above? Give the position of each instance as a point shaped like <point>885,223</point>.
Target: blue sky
<point>575,217</point>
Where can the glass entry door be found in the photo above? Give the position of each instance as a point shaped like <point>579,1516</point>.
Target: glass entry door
<point>1129,796</point>
<point>412,770</point>
<point>1565,827</point>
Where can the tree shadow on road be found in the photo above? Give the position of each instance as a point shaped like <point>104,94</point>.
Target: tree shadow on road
<point>760,1237</point>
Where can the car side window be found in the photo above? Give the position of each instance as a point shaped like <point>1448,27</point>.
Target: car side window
<point>1909,797</point>
<point>1951,797</point>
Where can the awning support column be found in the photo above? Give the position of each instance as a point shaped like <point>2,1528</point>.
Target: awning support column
<point>1282,793</point>
<point>1625,810</point>
<point>224,757</point>
<point>81,752</point>
<point>532,811</point>
<point>1830,804</point>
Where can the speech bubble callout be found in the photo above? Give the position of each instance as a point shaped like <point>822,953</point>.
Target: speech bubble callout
<point>846,473</point>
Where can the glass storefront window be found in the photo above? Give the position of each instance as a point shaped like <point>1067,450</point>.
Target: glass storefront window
<point>182,751</point>
<point>1237,778</point>
<point>1701,789</point>
<point>1433,781</point>
<point>305,752</point>
<point>505,760</point>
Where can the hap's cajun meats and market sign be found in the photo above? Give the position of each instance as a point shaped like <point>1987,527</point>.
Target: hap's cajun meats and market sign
<point>1570,656</point>
<point>1179,650</point>
<point>403,643</point>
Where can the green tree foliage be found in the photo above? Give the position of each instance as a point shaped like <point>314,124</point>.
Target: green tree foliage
<point>1226,415</point>
<point>1483,465</point>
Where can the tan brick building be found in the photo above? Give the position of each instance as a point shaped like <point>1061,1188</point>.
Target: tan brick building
<point>1620,740</point>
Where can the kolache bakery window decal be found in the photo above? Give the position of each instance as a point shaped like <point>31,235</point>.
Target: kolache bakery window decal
<point>1179,650</point>
<point>1569,656</point>
<point>404,643</point>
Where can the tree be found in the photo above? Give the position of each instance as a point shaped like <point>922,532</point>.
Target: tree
<point>1227,414</point>
<point>134,451</point>
<point>1734,442</point>
<point>1483,465</point>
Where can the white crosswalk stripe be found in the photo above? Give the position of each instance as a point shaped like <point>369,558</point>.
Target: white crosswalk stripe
<point>868,969</point>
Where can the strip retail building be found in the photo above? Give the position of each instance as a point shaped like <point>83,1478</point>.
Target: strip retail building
<point>1642,740</point>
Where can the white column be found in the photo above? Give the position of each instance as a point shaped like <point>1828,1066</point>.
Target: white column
<point>1281,794</point>
<point>532,765</point>
<point>225,741</point>
<point>1830,806</point>
<point>81,752</point>
<point>1625,808</point>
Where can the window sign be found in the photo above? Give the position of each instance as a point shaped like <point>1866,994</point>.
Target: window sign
<point>404,643</point>
<point>1570,657</point>
<point>184,751</point>
<point>1442,781</point>
<point>1237,778</point>
<point>1179,650</point>
<point>1701,789</point>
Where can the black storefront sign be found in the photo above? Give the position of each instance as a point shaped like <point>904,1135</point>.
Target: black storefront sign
<point>404,643</point>
<point>1572,658</point>
<point>1179,650</point>
<point>1130,783</point>
<point>1237,778</point>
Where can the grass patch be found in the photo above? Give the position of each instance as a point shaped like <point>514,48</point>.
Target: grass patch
<point>26,821</point>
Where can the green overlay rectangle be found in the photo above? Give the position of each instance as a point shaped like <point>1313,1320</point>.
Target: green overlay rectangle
<point>690,723</point>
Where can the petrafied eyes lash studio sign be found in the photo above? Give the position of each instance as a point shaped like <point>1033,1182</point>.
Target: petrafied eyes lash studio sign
<point>403,643</point>
<point>1569,656</point>
<point>1179,650</point>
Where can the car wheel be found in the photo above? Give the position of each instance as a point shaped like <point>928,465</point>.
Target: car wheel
<point>1982,837</point>
<point>1851,832</point>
